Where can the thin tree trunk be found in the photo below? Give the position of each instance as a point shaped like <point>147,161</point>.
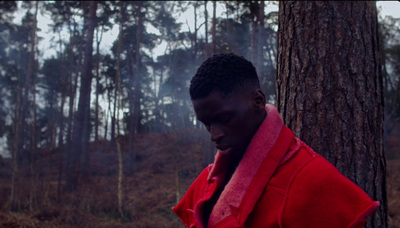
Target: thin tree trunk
<point>50,123</point>
<point>96,122</point>
<point>32,194</point>
<point>137,78</point>
<point>329,88</point>
<point>114,118</point>
<point>80,137</point>
<point>260,38</point>
<point>74,66</point>
<point>135,124</point>
<point>118,103</point>
<point>228,29</point>
<point>206,29</point>
<point>195,32</point>
<point>61,120</point>
<point>214,27</point>
<point>108,110</point>
<point>254,34</point>
<point>15,143</point>
<point>88,75</point>
<point>33,139</point>
<point>120,177</point>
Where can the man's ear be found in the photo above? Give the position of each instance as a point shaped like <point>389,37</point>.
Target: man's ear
<point>259,100</point>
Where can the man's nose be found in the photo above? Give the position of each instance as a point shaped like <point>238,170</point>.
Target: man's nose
<point>216,133</point>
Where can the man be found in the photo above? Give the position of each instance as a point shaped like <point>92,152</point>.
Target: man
<point>262,175</point>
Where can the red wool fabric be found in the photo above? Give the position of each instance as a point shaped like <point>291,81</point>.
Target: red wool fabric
<point>280,182</point>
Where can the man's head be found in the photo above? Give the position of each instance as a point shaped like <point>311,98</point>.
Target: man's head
<point>227,99</point>
<point>224,73</point>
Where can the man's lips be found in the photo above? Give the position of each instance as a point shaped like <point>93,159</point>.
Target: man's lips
<point>223,147</point>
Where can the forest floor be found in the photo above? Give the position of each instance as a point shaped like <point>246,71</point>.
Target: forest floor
<point>149,193</point>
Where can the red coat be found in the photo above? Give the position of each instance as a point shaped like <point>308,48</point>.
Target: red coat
<point>280,182</point>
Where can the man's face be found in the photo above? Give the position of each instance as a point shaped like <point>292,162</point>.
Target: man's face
<point>231,120</point>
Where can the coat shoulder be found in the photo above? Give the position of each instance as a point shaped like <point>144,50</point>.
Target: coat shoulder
<point>330,199</point>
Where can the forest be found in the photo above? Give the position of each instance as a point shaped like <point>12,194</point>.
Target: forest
<point>104,135</point>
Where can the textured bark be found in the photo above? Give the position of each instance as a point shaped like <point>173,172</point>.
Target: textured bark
<point>81,125</point>
<point>329,88</point>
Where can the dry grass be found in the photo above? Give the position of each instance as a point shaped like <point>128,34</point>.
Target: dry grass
<point>149,193</point>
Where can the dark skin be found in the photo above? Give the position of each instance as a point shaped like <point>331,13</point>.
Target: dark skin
<point>231,120</point>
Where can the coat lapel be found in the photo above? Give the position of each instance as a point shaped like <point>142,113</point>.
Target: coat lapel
<point>264,153</point>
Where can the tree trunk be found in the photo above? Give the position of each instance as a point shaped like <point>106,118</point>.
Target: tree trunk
<point>329,88</point>
<point>195,31</point>
<point>120,177</point>
<point>114,118</point>
<point>131,95</point>
<point>260,37</point>
<point>207,52</point>
<point>136,115</point>
<point>96,121</point>
<point>33,149</point>
<point>108,113</point>
<point>137,78</point>
<point>88,75</point>
<point>14,154</point>
<point>80,133</point>
<point>214,27</point>
<point>74,65</point>
<point>51,136</point>
<point>254,33</point>
<point>116,112</point>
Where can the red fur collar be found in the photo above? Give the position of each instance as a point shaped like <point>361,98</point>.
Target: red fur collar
<point>231,201</point>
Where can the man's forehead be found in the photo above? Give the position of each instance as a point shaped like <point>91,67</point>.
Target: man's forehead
<point>221,95</point>
<point>217,102</point>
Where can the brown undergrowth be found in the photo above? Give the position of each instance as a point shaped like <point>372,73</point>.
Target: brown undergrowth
<point>149,192</point>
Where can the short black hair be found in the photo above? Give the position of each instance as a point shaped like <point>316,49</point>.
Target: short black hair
<point>224,73</point>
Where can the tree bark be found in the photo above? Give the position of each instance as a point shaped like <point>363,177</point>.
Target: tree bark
<point>80,133</point>
<point>329,88</point>
<point>214,27</point>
